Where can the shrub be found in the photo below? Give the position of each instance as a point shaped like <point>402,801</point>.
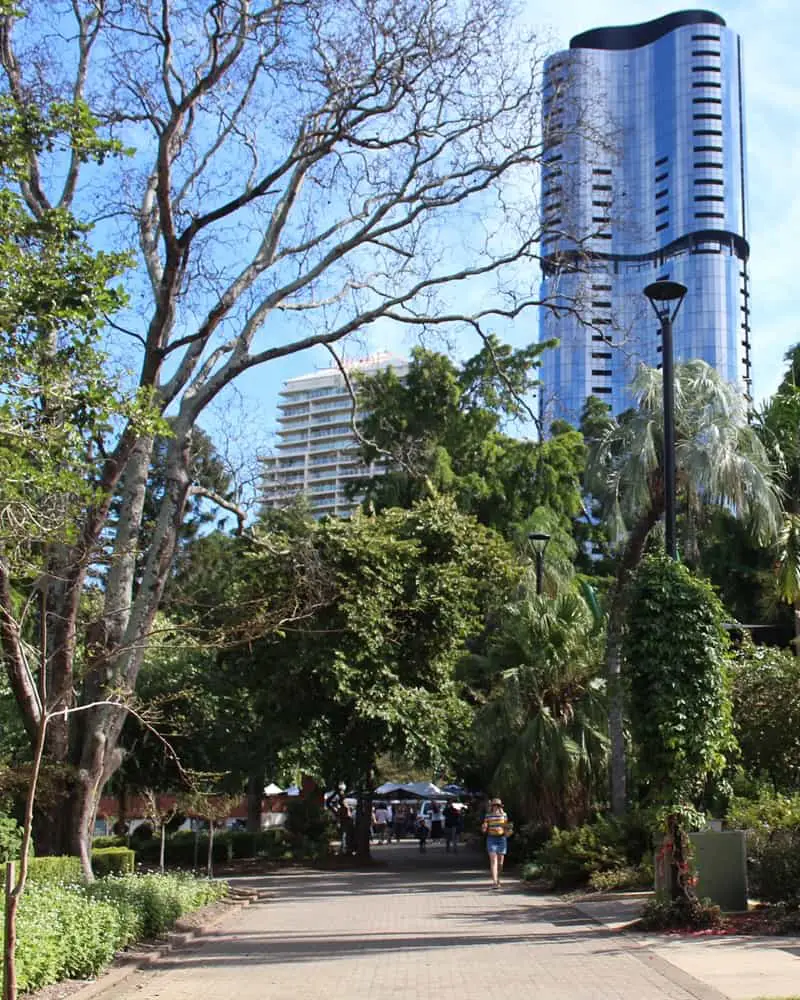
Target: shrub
<point>527,841</point>
<point>63,935</point>
<point>765,813</point>
<point>113,861</point>
<point>662,913</point>
<point>55,871</point>
<point>786,917</point>
<point>310,828</point>
<point>639,876</point>
<point>772,823</point>
<point>99,843</point>
<point>776,872</point>
<point>150,904</point>
<point>10,839</point>
<point>273,844</point>
<point>570,857</point>
<point>73,931</point>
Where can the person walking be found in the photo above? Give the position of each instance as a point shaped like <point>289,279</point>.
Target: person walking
<point>421,832</point>
<point>437,822</point>
<point>451,826</point>
<point>498,829</point>
<point>381,815</point>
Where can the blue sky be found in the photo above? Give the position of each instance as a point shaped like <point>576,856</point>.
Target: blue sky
<point>769,34</point>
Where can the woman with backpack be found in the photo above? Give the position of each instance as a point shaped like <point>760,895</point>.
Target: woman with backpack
<point>497,828</point>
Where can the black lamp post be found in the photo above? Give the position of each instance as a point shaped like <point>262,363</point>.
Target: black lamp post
<point>539,540</point>
<point>663,295</point>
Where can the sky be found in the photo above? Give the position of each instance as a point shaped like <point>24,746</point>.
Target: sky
<point>769,32</point>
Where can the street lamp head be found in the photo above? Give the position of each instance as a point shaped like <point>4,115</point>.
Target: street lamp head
<point>665,291</point>
<point>662,294</point>
<point>538,540</point>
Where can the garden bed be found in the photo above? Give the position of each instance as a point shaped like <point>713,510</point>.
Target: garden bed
<point>760,920</point>
<point>73,932</point>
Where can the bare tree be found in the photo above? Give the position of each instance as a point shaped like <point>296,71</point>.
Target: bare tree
<point>301,169</point>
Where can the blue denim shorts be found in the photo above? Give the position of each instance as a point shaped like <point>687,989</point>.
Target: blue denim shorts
<point>496,845</point>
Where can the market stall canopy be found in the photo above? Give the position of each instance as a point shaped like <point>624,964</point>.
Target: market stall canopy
<point>272,789</point>
<point>411,790</point>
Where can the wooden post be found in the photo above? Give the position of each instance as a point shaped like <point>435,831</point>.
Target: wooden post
<point>10,937</point>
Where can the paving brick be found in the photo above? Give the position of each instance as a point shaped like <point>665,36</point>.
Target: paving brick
<point>421,927</point>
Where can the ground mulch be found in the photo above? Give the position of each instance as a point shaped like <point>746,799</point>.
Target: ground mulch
<point>758,921</point>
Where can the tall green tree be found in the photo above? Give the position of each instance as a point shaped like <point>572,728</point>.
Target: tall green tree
<point>720,461</point>
<point>446,428</point>
<point>371,669</point>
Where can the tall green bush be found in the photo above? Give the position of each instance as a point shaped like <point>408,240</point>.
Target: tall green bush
<point>675,647</point>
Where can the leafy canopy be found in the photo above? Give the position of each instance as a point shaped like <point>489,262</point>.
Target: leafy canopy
<point>445,427</point>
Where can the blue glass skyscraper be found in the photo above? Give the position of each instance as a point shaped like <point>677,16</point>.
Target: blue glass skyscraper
<point>643,179</point>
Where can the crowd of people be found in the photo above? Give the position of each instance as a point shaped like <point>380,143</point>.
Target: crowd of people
<point>395,821</point>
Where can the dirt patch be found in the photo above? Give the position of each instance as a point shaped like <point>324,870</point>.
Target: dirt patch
<point>59,991</point>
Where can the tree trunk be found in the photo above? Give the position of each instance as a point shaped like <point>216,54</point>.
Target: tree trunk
<point>10,936</point>
<point>163,850</point>
<point>797,626</point>
<point>210,865</point>
<point>121,825</point>
<point>255,795</point>
<point>116,660</point>
<point>616,719</point>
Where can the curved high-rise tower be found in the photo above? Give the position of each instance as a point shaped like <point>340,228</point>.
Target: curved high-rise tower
<point>644,178</point>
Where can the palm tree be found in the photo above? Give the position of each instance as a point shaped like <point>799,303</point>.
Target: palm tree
<point>542,729</point>
<point>720,460</point>
<point>779,426</point>
<point>788,570</point>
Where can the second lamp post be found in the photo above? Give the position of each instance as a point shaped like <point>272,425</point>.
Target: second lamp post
<point>539,540</point>
<point>663,295</point>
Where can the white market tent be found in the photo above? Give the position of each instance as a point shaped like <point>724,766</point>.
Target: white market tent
<point>412,790</point>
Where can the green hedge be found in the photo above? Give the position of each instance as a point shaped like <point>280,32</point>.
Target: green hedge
<point>179,849</point>
<point>73,931</point>
<point>101,842</point>
<point>54,871</point>
<point>113,861</point>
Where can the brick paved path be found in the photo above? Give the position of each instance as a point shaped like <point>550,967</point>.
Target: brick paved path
<point>421,927</point>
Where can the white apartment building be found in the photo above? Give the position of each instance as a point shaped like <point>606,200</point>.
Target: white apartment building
<point>317,451</point>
